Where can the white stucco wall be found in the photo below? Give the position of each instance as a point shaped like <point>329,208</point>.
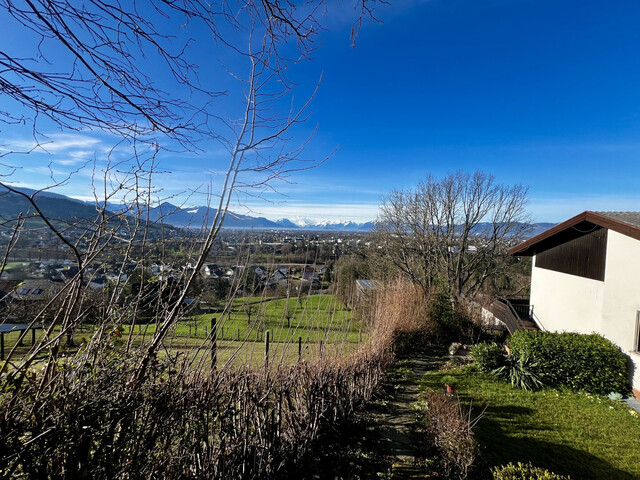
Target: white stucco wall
<point>622,290</point>
<point>570,303</point>
<point>566,302</point>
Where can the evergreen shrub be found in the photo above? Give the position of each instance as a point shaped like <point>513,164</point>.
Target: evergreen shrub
<point>450,321</point>
<point>519,371</point>
<point>581,362</point>
<point>522,471</point>
<point>487,356</point>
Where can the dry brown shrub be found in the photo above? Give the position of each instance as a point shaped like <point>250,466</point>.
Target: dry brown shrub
<point>399,306</point>
<point>449,430</point>
<point>98,420</point>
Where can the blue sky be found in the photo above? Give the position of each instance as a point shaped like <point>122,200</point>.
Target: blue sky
<point>543,93</point>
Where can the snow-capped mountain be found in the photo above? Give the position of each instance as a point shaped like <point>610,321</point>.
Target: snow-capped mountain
<point>286,223</point>
<point>60,207</point>
<point>328,225</point>
<point>196,217</point>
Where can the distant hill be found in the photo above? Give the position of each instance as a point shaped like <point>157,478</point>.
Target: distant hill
<point>54,206</point>
<point>197,217</point>
<point>532,230</point>
<point>537,228</point>
<point>65,209</point>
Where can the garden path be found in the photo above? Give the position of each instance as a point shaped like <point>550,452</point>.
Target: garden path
<point>397,426</point>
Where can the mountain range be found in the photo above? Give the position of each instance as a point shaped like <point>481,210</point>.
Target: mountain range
<point>196,217</point>
<point>60,207</point>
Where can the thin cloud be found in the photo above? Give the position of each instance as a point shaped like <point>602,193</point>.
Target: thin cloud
<point>56,144</point>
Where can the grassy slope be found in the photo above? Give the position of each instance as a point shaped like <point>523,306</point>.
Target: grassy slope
<point>570,433</point>
<point>313,318</point>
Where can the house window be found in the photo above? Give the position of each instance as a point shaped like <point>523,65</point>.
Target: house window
<point>24,291</point>
<point>36,291</point>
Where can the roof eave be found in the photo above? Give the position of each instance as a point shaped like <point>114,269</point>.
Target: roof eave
<point>527,248</point>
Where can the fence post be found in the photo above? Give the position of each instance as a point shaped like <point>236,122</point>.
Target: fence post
<point>266,348</point>
<point>213,344</point>
<point>299,348</point>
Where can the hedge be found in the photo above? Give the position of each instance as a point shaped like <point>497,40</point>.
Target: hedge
<point>524,471</point>
<point>487,356</point>
<point>589,363</point>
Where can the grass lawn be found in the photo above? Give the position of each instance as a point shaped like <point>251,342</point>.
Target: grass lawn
<point>11,265</point>
<point>569,433</point>
<point>313,319</point>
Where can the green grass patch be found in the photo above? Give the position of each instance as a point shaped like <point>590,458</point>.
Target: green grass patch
<point>11,265</point>
<point>585,436</point>
<point>313,319</point>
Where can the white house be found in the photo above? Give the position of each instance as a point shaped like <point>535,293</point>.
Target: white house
<point>585,278</point>
<point>210,270</point>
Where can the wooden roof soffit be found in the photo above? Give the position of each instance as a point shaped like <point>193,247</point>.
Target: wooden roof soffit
<point>529,247</point>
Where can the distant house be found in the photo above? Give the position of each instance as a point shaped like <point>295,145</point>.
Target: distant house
<point>116,277</point>
<point>280,274</point>
<point>584,279</point>
<point>235,270</point>
<point>211,270</point>
<point>35,289</point>
<point>98,282</point>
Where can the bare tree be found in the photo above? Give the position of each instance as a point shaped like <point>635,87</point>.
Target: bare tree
<point>94,66</point>
<point>452,231</point>
<point>135,407</point>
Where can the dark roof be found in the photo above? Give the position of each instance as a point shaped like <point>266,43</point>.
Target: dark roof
<point>365,284</point>
<point>36,289</point>
<point>631,218</point>
<point>17,327</point>
<point>626,223</point>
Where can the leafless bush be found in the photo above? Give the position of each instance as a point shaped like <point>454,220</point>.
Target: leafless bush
<point>449,430</point>
<point>95,422</point>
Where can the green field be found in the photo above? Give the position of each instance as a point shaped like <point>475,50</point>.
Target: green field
<point>11,265</point>
<point>315,324</point>
<point>314,318</point>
